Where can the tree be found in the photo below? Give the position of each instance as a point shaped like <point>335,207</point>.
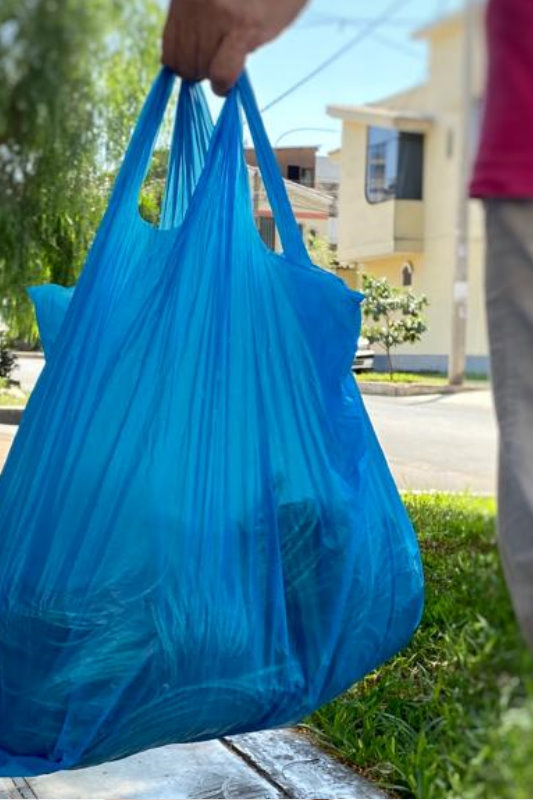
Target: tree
<point>7,359</point>
<point>320,251</point>
<point>392,316</point>
<point>72,75</point>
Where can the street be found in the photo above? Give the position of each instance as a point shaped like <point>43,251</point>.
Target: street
<point>28,367</point>
<point>436,442</point>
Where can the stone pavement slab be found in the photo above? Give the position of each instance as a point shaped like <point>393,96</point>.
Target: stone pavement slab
<point>207,770</point>
<point>274,764</point>
<point>295,763</point>
<point>9,790</point>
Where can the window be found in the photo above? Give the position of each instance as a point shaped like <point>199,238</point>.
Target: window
<point>303,175</point>
<point>267,231</point>
<point>407,274</point>
<point>394,165</point>
<point>293,173</point>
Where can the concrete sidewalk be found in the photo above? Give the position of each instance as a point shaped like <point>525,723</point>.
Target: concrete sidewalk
<point>273,764</point>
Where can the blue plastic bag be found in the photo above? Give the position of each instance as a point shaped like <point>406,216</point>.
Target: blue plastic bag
<point>199,532</point>
<point>51,302</point>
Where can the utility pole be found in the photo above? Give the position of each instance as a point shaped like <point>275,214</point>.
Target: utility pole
<point>457,359</point>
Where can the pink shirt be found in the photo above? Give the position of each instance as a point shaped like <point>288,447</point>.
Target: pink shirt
<point>504,166</point>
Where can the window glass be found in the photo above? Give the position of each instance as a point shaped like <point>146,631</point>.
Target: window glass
<point>395,162</point>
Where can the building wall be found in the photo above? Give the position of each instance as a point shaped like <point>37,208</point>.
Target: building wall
<point>444,145</point>
<point>364,229</point>
<point>303,157</point>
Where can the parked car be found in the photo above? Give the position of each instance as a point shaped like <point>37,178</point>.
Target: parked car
<point>364,358</point>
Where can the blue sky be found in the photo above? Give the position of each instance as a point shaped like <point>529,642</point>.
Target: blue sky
<point>384,62</point>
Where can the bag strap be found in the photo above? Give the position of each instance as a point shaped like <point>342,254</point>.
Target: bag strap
<point>193,129</point>
<point>140,149</point>
<point>290,235</point>
<point>139,153</point>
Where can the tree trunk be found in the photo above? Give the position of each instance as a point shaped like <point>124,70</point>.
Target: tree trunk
<point>389,360</point>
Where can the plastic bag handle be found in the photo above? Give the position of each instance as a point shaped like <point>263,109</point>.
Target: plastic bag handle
<point>140,149</point>
<point>191,136</point>
<point>139,153</point>
<point>290,235</point>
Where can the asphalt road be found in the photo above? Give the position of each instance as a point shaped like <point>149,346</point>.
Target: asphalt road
<point>438,442</point>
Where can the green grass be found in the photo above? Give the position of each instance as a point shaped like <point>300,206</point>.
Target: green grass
<point>8,398</point>
<point>452,715</point>
<point>432,378</point>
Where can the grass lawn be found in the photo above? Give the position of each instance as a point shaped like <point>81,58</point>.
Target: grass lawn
<point>9,398</point>
<point>435,378</point>
<point>452,715</point>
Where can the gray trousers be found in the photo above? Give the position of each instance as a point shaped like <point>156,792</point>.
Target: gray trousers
<point>509,294</point>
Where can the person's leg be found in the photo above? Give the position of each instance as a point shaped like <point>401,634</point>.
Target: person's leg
<point>509,295</point>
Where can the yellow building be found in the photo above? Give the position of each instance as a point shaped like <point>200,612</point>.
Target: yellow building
<point>399,191</point>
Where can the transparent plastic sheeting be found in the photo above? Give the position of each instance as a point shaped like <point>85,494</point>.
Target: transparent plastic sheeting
<point>199,534</point>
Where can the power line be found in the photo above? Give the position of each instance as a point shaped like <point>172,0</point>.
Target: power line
<point>399,46</point>
<point>367,30</point>
<point>323,20</point>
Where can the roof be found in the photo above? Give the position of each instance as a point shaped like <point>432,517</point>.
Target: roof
<point>407,120</point>
<point>305,196</point>
<point>314,147</point>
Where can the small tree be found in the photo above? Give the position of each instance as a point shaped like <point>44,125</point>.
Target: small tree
<point>7,359</point>
<point>392,316</point>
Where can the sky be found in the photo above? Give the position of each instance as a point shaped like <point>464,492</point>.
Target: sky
<point>385,61</point>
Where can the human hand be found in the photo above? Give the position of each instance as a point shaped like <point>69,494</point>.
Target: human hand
<point>211,38</point>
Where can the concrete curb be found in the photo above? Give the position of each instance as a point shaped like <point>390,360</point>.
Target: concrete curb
<point>29,354</point>
<point>11,415</point>
<point>411,389</point>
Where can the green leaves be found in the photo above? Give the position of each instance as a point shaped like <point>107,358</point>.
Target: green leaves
<point>73,76</point>
<point>392,316</point>
<point>7,359</point>
<point>321,253</point>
